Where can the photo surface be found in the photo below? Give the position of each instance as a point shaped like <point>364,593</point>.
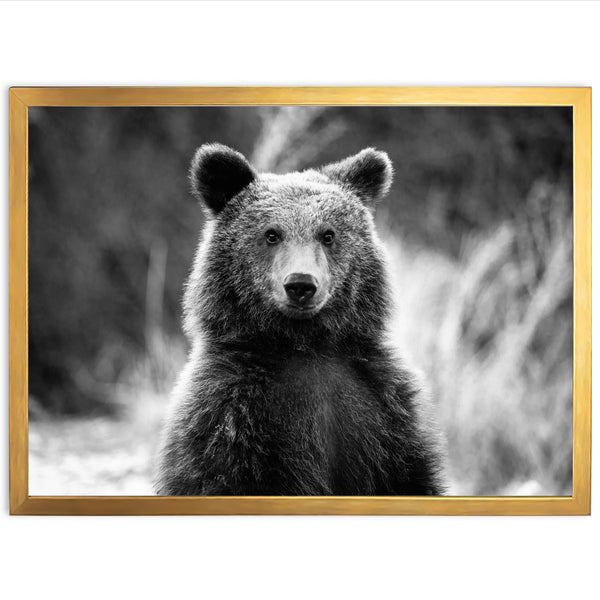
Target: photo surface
<point>300,301</point>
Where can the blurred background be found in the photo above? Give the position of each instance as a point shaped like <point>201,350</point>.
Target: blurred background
<point>479,229</point>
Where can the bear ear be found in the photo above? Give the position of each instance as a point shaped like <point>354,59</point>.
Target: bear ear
<point>217,174</point>
<point>368,174</point>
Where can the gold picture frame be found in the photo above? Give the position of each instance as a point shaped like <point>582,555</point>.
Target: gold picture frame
<point>21,98</point>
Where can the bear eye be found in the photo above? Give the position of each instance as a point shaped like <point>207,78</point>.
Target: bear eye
<point>327,238</point>
<point>272,237</point>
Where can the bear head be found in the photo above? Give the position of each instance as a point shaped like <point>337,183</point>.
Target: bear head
<point>288,258</point>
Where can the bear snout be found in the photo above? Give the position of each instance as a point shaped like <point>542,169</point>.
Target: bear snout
<point>300,288</point>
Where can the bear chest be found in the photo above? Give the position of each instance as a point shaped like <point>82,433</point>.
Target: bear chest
<point>331,417</point>
<point>323,385</point>
<point>314,420</point>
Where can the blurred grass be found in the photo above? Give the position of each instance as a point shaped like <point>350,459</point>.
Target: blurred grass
<point>491,329</point>
<point>107,454</point>
<point>493,332</point>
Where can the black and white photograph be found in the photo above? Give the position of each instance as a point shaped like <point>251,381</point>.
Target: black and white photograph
<point>300,301</point>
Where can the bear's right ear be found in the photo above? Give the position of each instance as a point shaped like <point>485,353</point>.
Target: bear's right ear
<point>368,174</point>
<point>217,174</point>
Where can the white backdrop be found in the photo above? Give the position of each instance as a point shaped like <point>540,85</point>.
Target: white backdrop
<point>289,43</point>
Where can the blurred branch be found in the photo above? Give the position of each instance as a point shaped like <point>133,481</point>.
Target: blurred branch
<point>284,144</point>
<point>155,290</point>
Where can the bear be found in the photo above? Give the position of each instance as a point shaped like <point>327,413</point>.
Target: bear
<point>291,387</point>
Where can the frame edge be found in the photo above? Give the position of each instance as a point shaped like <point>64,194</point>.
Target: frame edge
<point>20,98</point>
<point>17,329</point>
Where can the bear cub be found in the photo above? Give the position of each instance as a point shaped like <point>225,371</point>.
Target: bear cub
<point>291,387</point>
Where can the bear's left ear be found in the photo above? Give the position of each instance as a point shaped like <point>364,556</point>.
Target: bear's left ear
<point>368,174</point>
<point>217,174</point>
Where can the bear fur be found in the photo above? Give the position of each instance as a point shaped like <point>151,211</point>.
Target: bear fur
<point>292,388</point>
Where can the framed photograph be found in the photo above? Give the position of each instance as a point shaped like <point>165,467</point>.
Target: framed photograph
<point>300,300</point>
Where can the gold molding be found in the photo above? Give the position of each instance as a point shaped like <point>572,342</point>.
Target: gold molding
<point>17,303</point>
<point>185,96</point>
<point>20,98</point>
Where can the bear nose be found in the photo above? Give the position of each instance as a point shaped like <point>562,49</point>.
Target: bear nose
<point>300,287</point>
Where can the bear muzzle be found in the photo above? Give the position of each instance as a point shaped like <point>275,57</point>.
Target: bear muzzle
<point>300,280</point>
<point>300,288</point>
